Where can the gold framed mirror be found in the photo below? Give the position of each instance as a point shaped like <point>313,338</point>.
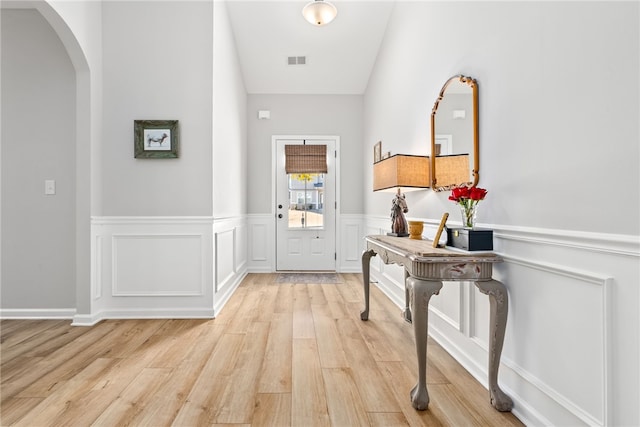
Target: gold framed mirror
<point>454,135</point>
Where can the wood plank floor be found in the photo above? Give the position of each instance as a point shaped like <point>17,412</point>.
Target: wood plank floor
<point>278,354</point>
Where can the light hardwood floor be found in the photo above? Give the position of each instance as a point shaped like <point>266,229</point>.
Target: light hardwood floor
<point>278,354</point>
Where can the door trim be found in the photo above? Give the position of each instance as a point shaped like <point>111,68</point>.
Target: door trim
<point>274,164</point>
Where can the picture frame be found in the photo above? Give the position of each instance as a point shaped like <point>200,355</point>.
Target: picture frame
<point>377,152</point>
<point>443,221</point>
<point>155,139</point>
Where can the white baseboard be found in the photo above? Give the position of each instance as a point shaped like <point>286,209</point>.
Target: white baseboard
<point>36,313</point>
<point>188,313</point>
<point>223,296</point>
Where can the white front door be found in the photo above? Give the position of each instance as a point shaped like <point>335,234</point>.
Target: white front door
<point>305,212</point>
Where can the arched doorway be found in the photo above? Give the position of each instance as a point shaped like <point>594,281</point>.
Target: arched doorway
<point>78,190</point>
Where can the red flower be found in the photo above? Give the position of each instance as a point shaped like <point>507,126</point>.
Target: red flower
<point>468,198</point>
<point>459,193</point>
<point>477,193</point>
<point>462,194</point>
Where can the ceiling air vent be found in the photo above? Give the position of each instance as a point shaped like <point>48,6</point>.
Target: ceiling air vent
<point>296,60</point>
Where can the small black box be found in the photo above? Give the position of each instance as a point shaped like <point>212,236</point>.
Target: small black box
<point>476,239</point>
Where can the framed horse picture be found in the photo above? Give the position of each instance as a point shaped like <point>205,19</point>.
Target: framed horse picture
<point>155,139</point>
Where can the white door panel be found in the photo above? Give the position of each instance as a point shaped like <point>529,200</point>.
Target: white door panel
<point>305,212</point>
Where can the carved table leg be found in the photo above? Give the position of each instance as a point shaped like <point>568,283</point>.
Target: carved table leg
<point>499,306</point>
<point>406,313</point>
<point>420,291</point>
<point>366,257</point>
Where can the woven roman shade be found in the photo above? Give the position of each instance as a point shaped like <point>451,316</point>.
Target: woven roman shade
<point>305,158</point>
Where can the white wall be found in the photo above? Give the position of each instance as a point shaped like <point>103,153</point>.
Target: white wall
<point>157,60</point>
<point>38,144</point>
<point>229,161</point>
<point>158,250</point>
<point>549,77</point>
<point>339,115</point>
<point>335,115</point>
<point>155,214</point>
<point>138,208</point>
<point>78,26</point>
<point>558,154</point>
<point>229,122</point>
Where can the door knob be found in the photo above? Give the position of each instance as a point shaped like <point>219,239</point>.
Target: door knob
<point>279,206</point>
<point>279,215</point>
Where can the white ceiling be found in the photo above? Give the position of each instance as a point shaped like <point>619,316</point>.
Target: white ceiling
<point>339,55</point>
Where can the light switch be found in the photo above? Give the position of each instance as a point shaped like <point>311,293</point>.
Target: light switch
<point>49,187</point>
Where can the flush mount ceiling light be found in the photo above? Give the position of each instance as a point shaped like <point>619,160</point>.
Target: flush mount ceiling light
<point>319,12</point>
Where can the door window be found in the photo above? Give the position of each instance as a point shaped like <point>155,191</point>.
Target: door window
<point>306,208</point>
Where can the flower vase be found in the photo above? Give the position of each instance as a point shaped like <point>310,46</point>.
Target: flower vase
<point>469,215</point>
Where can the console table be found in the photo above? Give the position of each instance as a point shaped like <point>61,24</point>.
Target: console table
<point>425,269</point>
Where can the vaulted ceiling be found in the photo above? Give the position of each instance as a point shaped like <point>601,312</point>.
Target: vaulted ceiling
<point>339,56</point>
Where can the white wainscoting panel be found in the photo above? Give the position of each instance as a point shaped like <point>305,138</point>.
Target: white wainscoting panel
<point>449,304</point>
<point>259,243</point>
<point>240,243</point>
<point>559,308</point>
<point>158,265</point>
<point>350,243</point>
<point>225,254</point>
<point>96,267</point>
<point>389,278</point>
<point>151,267</point>
<point>261,235</point>
<point>262,243</point>
<point>230,250</point>
<point>573,331</point>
